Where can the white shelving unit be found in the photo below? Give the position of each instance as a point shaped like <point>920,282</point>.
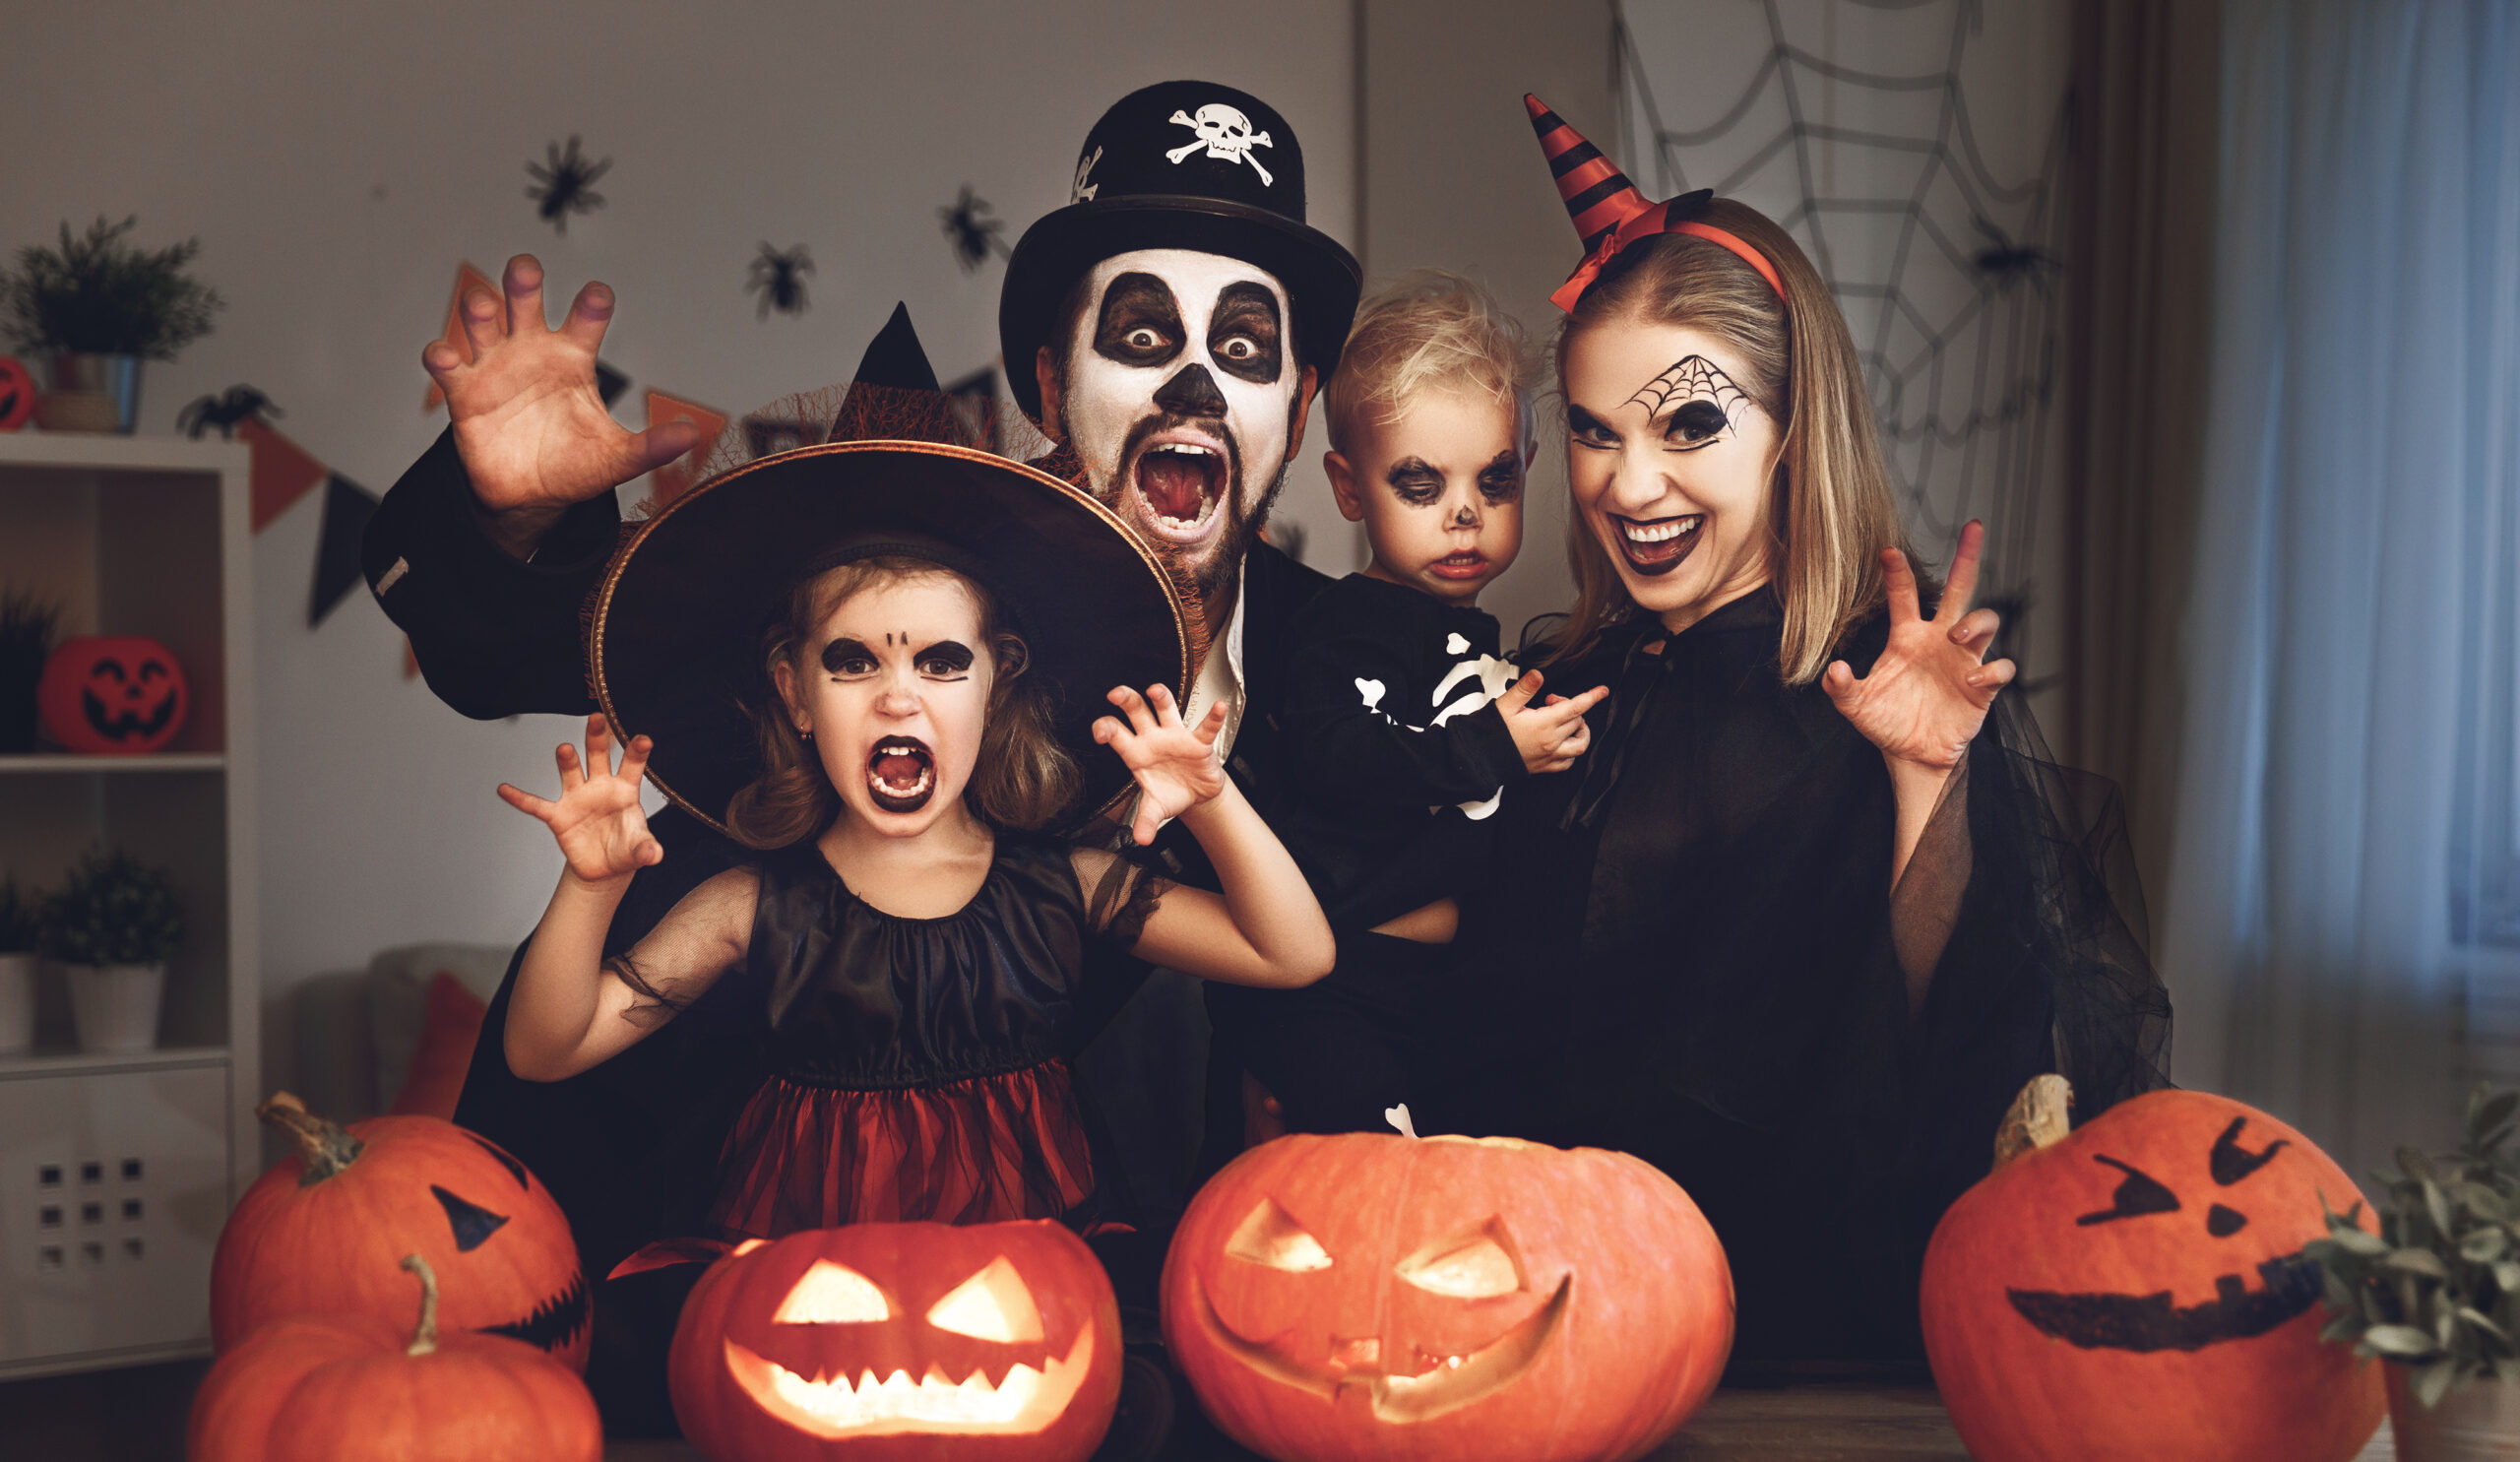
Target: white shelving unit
<point>117,1170</point>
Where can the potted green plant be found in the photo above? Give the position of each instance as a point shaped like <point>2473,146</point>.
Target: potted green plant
<point>29,627</point>
<point>95,308</point>
<point>111,926</point>
<point>17,968</point>
<point>2437,1292</point>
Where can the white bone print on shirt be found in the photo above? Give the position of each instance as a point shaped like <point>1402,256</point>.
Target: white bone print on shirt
<point>1491,675</point>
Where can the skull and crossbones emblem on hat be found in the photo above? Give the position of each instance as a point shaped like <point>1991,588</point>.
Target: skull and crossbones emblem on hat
<point>1226,132</point>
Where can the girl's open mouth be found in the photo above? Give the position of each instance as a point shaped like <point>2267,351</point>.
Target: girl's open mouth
<point>900,775</point>
<point>1657,548</point>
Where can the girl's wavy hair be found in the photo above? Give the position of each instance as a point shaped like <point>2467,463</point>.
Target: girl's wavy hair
<point>1830,509</point>
<point>1025,780</point>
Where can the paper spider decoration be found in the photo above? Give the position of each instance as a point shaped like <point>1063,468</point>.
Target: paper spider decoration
<point>969,224</point>
<point>565,183</point>
<point>225,410</point>
<point>779,280</point>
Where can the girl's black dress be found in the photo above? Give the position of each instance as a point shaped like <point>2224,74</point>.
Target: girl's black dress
<point>1685,948</point>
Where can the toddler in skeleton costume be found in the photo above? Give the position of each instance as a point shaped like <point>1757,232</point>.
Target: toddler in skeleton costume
<point>1402,727</point>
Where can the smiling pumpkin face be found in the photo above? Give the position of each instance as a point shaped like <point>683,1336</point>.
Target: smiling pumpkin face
<point>2137,1289</point>
<point>1382,1297</point>
<point>110,695</point>
<point>881,1341</point>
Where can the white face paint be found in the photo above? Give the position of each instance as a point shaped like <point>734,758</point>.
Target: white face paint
<point>1179,400</point>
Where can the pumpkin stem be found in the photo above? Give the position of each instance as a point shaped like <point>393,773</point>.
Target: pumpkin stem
<point>424,1336</point>
<point>2035,1119</point>
<point>325,1146</point>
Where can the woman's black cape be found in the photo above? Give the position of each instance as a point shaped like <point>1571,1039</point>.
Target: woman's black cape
<point>1685,950</point>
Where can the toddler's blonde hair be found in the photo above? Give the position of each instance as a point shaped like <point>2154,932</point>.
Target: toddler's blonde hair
<point>1430,329</point>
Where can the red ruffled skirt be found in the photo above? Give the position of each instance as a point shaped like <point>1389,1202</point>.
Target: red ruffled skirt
<point>988,1148</point>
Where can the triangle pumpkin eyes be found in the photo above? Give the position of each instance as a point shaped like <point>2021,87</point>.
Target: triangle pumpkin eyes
<point>472,1223</point>
<point>833,1295</point>
<point>1270,1237</point>
<point>1477,1265</point>
<point>992,1305</point>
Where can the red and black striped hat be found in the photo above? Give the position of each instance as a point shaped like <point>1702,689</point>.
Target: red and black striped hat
<point>1609,214</point>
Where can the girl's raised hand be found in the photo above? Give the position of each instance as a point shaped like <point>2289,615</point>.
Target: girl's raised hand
<point>596,821</point>
<point>1176,766</point>
<point>1929,692</point>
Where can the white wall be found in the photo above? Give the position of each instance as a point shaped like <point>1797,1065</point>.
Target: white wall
<point>337,160</point>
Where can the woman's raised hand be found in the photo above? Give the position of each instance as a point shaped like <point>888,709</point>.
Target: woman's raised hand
<point>535,435</point>
<point>1176,766</point>
<point>597,821</point>
<point>1929,692</point>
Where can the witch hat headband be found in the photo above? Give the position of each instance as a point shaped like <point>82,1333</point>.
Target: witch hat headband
<point>1609,214</point>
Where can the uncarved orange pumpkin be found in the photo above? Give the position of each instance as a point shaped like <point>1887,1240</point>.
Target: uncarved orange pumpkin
<point>2136,1289</point>
<point>891,1342</point>
<point>323,1230</point>
<point>1363,1296</point>
<point>352,1387</point>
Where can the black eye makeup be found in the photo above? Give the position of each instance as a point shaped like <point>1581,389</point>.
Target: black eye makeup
<point>1139,323</point>
<point>1694,400</point>
<point>845,657</point>
<point>1501,479</point>
<point>1587,430</point>
<point>1244,335</point>
<point>1414,482</point>
<point>946,660</point>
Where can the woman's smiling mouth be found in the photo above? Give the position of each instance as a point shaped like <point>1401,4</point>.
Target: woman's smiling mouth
<point>1657,545</point>
<point>900,773</point>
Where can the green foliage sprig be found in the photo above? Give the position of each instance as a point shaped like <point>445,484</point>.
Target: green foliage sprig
<point>16,917</point>
<point>113,910</point>
<point>99,294</point>
<point>2437,1289</point>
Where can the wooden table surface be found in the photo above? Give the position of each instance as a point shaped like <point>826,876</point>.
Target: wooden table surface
<point>1815,1422</point>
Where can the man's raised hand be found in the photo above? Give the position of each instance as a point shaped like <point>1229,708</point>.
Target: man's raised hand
<point>597,822</point>
<point>535,435</point>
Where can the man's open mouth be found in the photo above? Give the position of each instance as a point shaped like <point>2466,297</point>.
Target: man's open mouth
<point>1181,482</point>
<point>1658,545</point>
<point>900,775</point>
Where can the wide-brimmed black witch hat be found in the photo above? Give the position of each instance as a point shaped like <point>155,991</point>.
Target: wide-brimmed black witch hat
<point>1184,165</point>
<point>675,646</point>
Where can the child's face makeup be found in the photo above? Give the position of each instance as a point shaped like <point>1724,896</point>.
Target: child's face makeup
<point>1671,462</point>
<point>894,687</point>
<point>1439,490</point>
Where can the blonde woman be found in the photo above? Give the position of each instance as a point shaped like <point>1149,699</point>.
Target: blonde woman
<point>1814,905</point>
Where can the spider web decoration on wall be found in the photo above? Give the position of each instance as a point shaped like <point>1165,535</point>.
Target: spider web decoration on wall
<point>1946,272</point>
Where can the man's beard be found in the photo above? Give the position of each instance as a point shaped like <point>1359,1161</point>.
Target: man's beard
<point>1211,568</point>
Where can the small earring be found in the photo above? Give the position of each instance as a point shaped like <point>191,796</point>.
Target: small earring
<point>805,732</point>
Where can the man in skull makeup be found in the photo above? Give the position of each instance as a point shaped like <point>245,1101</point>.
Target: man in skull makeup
<point>1168,329</point>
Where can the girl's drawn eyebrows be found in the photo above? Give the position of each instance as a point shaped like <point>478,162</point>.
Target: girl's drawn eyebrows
<point>953,652</point>
<point>843,650</point>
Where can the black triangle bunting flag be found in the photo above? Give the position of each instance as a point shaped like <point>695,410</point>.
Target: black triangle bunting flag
<point>346,508</point>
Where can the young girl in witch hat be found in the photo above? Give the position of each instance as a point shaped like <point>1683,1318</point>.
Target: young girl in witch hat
<point>879,665</point>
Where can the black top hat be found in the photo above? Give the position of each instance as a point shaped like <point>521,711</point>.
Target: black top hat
<point>1184,165</point>
<point>676,648</point>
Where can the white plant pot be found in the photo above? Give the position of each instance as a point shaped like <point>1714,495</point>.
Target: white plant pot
<point>2478,1422</point>
<point>115,1006</point>
<point>16,1004</point>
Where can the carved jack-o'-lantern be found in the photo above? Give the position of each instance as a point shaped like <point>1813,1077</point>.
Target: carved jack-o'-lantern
<point>891,1341</point>
<point>325,1229</point>
<point>105,694</point>
<point>2136,1289</point>
<point>1364,1296</point>
<point>17,394</point>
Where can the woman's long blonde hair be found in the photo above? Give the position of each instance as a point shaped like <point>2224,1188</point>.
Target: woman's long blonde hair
<point>1830,509</point>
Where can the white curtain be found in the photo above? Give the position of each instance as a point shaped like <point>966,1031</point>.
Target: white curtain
<point>2348,655</point>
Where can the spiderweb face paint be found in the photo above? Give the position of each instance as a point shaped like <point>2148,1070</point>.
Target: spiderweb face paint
<point>1700,399</point>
